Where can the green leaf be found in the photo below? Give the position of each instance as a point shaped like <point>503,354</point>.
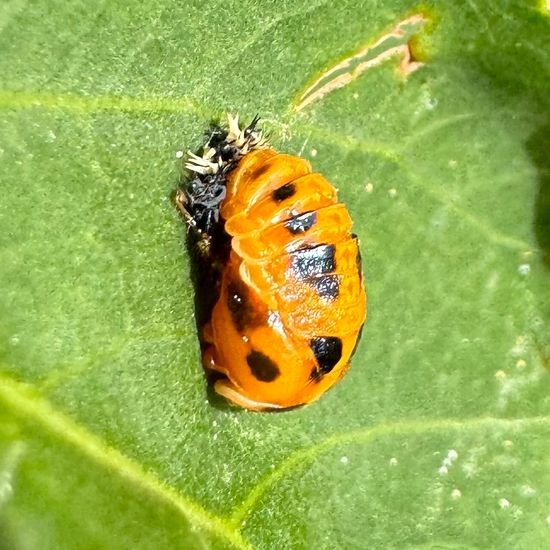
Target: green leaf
<point>439,435</point>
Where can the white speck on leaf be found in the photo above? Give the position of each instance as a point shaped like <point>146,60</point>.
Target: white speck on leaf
<point>179,154</point>
<point>392,192</point>
<point>453,164</point>
<point>344,460</point>
<point>429,102</point>
<point>500,374</point>
<point>313,152</point>
<point>521,363</point>
<point>455,493</point>
<point>527,491</point>
<point>369,188</point>
<point>524,269</point>
<point>452,455</point>
<point>447,462</point>
<point>504,503</point>
<point>507,444</point>
<point>393,461</point>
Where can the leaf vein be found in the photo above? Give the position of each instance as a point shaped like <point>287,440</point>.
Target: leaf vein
<point>10,99</point>
<point>305,456</point>
<point>22,100</point>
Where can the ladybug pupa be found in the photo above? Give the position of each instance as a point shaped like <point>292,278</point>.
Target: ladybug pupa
<point>290,297</point>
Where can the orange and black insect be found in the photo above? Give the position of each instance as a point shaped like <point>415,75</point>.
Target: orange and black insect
<point>291,300</point>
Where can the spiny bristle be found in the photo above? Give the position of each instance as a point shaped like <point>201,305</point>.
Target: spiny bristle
<point>235,133</point>
<point>202,165</point>
<point>241,140</point>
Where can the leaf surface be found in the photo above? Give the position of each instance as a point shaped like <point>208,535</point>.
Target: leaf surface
<point>439,435</point>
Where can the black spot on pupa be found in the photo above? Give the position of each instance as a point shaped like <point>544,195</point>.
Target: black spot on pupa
<point>327,351</point>
<point>242,312</point>
<point>318,260</point>
<point>326,286</point>
<point>301,223</point>
<point>284,192</point>
<point>262,367</point>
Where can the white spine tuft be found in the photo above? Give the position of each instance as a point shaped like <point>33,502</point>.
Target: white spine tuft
<point>235,135</point>
<point>202,165</point>
<point>244,141</point>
